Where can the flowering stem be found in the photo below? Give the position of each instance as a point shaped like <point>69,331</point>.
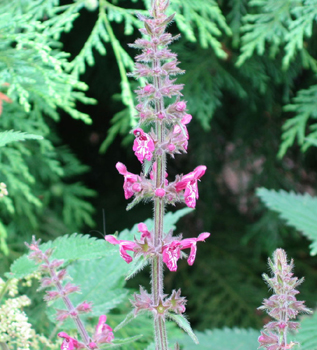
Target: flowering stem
<point>157,265</point>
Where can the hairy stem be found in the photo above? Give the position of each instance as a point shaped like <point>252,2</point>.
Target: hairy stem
<point>70,307</point>
<point>157,265</point>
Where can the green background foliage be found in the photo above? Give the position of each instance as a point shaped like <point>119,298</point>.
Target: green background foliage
<point>251,88</point>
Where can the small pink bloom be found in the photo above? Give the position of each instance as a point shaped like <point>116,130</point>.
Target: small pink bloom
<point>148,89</point>
<point>171,254</point>
<point>84,307</point>
<point>180,106</point>
<point>180,131</point>
<point>61,315</point>
<point>144,230</point>
<point>171,251</point>
<point>123,247</point>
<point>104,333</point>
<point>143,145</point>
<point>160,115</point>
<point>131,183</point>
<point>69,343</point>
<point>189,184</point>
<point>192,244</point>
<point>160,192</point>
<point>171,147</point>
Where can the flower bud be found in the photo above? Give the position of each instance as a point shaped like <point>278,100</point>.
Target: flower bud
<point>160,192</point>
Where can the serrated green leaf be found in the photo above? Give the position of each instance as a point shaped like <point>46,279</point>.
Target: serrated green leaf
<point>224,339</point>
<point>130,317</point>
<point>306,335</point>
<point>184,324</point>
<point>12,136</point>
<point>68,248</point>
<point>121,342</point>
<point>136,265</point>
<point>299,211</point>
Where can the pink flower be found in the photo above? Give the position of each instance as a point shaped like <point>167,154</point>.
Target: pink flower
<point>144,230</point>
<point>171,251</point>
<point>180,132</point>
<point>69,343</point>
<point>104,333</point>
<point>180,106</point>
<point>143,145</point>
<point>131,183</point>
<point>189,184</point>
<point>123,247</point>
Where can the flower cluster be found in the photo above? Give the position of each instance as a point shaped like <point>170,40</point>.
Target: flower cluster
<point>185,187</point>
<point>56,277</point>
<point>15,329</point>
<point>144,301</point>
<point>170,249</point>
<point>282,305</point>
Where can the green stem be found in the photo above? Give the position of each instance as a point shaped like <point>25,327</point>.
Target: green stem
<point>4,289</point>
<point>4,346</point>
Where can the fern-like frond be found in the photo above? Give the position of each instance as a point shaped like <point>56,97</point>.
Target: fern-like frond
<point>299,211</point>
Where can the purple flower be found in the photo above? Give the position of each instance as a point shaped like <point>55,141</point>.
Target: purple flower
<point>172,251</point>
<point>189,184</point>
<point>143,145</point>
<point>132,182</point>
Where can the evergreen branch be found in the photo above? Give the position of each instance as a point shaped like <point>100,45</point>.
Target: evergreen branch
<point>11,136</point>
<point>269,25</point>
<point>98,33</point>
<point>208,19</point>
<point>299,28</point>
<point>238,11</point>
<point>123,61</point>
<point>305,107</point>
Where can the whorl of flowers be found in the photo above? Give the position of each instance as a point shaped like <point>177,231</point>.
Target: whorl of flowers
<point>282,306</point>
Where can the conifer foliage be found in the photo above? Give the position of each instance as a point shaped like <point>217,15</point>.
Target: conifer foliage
<point>34,88</point>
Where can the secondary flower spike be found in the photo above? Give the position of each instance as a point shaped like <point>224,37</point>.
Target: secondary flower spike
<point>189,184</point>
<point>282,306</point>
